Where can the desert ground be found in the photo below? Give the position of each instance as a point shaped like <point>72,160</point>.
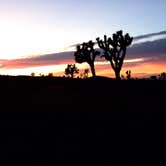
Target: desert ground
<point>94,121</point>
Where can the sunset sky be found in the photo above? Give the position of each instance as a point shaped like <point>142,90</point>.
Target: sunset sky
<point>33,32</point>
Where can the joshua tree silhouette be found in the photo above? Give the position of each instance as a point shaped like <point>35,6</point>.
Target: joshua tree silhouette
<point>115,50</point>
<point>86,53</point>
<point>128,74</point>
<point>71,70</point>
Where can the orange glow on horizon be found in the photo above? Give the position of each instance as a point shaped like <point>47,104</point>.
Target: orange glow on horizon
<point>139,70</point>
<point>138,67</point>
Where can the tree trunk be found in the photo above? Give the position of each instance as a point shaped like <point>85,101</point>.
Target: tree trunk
<point>72,75</point>
<point>117,75</point>
<point>93,70</point>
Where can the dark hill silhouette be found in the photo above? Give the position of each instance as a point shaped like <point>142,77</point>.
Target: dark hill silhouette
<point>48,90</point>
<point>78,121</point>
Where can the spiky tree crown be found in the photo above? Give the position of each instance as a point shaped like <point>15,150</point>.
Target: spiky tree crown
<point>112,45</point>
<point>86,52</point>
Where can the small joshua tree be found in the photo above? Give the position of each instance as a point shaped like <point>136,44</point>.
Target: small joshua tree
<point>71,70</point>
<point>114,50</point>
<point>128,74</point>
<point>86,53</point>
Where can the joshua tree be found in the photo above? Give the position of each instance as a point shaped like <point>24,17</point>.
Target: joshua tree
<point>114,49</point>
<point>128,74</point>
<point>86,53</point>
<point>71,70</point>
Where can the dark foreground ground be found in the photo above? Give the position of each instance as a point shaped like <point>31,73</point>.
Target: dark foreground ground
<point>48,121</point>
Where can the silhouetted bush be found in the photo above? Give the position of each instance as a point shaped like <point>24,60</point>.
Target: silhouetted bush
<point>50,74</point>
<point>153,77</point>
<point>32,74</point>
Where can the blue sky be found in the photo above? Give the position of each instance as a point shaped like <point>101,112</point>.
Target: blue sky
<point>138,16</point>
<point>55,24</point>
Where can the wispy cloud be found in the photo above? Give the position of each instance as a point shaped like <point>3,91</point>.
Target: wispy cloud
<point>149,35</point>
<point>35,61</point>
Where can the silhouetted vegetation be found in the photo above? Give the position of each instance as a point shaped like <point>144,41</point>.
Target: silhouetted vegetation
<point>41,75</point>
<point>153,77</point>
<point>85,74</point>
<point>128,74</point>
<point>115,50</point>
<point>50,75</point>
<point>162,76</point>
<point>71,70</point>
<point>32,74</point>
<point>86,53</point>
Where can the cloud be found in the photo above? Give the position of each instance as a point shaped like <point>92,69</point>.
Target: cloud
<point>54,57</point>
<point>150,51</point>
<point>149,35</point>
<point>154,50</point>
<point>41,60</point>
